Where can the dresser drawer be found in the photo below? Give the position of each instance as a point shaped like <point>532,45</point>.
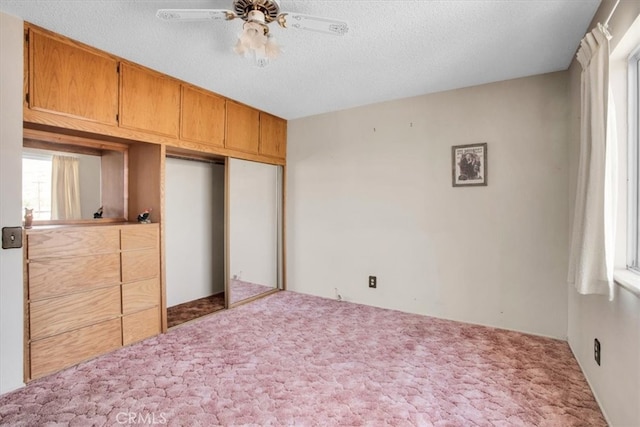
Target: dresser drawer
<point>139,265</point>
<point>60,276</point>
<point>141,325</point>
<point>52,354</point>
<point>72,242</point>
<point>141,295</point>
<point>56,315</point>
<point>139,237</point>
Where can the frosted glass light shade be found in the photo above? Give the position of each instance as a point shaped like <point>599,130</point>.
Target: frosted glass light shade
<point>257,42</point>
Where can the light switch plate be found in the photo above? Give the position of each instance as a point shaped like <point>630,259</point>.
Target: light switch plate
<point>11,237</point>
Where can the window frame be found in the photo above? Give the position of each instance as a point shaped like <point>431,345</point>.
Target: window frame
<point>633,158</point>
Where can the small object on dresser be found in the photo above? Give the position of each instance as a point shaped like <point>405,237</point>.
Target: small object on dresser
<point>143,218</point>
<point>28,218</point>
<point>98,213</point>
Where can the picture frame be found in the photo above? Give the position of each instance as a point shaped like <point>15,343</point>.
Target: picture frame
<point>469,165</point>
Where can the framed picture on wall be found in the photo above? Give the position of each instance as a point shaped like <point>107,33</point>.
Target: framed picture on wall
<point>469,164</point>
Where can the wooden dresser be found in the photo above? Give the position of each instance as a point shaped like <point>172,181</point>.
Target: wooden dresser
<point>89,290</point>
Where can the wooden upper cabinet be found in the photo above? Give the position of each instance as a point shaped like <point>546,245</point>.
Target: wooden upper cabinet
<point>243,128</point>
<point>273,136</point>
<point>73,86</point>
<point>149,101</point>
<point>70,79</point>
<point>202,117</point>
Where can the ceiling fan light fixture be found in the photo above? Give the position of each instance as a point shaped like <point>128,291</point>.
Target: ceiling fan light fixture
<point>272,49</point>
<point>253,37</point>
<point>256,41</point>
<point>261,48</point>
<point>268,8</point>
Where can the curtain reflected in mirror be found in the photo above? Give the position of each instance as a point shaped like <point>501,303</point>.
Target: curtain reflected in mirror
<point>254,212</point>
<point>65,188</point>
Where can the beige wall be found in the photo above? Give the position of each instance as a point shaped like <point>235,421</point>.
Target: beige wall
<point>616,324</point>
<point>11,300</point>
<point>194,230</point>
<point>369,193</point>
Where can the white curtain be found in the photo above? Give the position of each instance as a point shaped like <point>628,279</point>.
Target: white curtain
<point>65,188</point>
<point>592,244</point>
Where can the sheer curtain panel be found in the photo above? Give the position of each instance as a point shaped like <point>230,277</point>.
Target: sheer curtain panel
<point>592,243</point>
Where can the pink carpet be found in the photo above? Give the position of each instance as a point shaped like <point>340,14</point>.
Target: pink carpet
<point>290,359</point>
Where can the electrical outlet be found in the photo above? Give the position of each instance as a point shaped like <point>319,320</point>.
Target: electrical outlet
<point>596,350</point>
<point>373,282</point>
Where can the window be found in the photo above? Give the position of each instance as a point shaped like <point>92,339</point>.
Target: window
<point>634,161</point>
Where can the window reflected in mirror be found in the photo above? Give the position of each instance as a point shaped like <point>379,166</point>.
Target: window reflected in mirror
<point>61,186</point>
<point>36,184</point>
<point>66,183</point>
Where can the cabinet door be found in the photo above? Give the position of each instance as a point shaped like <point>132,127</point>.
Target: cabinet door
<point>202,117</point>
<point>149,101</point>
<point>68,79</point>
<point>273,136</point>
<point>243,128</point>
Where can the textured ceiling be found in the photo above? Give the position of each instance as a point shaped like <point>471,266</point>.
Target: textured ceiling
<point>394,48</point>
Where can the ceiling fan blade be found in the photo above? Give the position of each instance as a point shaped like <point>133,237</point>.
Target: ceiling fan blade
<point>195,14</point>
<point>313,23</point>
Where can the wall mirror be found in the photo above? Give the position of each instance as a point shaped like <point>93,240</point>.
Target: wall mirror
<point>254,204</point>
<point>70,183</point>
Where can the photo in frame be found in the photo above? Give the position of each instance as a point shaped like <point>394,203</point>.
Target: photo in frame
<point>469,164</point>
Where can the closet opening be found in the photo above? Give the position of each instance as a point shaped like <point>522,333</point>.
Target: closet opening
<point>194,237</point>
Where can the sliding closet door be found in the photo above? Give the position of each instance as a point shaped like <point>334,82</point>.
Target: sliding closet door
<point>194,230</point>
<point>254,227</point>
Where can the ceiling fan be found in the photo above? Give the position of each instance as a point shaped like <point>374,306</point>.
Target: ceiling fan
<point>255,39</point>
